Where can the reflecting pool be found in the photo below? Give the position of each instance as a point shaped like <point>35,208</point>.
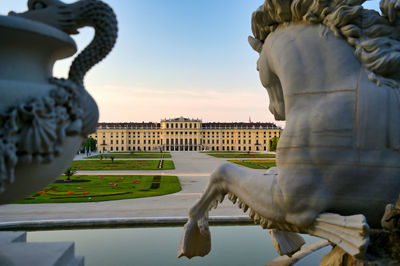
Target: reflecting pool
<point>231,245</point>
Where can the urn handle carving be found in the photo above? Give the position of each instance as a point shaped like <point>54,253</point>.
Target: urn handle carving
<point>69,18</point>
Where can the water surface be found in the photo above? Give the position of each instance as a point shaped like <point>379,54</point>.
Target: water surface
<point>231,245</point>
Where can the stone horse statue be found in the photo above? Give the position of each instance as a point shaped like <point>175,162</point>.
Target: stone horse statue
<point>331,70</point>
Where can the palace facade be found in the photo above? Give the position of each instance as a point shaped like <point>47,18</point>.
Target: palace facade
<point>183,134</point>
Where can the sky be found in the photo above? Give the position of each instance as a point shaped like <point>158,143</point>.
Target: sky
<point>176,58</point>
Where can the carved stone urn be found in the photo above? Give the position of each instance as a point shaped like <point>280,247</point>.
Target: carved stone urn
<point>44,120</point>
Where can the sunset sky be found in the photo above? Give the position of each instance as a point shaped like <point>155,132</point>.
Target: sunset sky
<point>176,58</point>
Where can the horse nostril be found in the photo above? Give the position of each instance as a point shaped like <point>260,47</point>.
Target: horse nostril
<point>38,5</point>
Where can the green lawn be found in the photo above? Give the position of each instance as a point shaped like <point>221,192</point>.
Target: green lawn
<point>149,152</point>
<point>121,165</point>
<point>223,152</point>
<point>130,155</point>
<point>242,155</point>
<point>83,188</point>
<point>255,164</point>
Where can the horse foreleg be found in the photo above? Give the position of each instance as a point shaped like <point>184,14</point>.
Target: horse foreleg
<point>250,190</point>
<point>196,238</point>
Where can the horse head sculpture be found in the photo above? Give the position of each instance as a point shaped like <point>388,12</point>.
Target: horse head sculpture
<point>331,71</point>
<point>45,119</point>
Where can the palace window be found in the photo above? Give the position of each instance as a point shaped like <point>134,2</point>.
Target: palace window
<point>111,141</point>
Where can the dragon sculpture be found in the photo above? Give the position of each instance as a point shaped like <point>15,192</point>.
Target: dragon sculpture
<point>331,69</point>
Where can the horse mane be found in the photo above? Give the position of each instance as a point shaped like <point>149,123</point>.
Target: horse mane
<point>375,39</point>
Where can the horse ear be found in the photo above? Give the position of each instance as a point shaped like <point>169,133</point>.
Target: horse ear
<point>256,44</point>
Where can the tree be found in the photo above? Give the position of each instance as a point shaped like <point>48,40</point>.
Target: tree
<point>89,144</point>
<point>112,158</point>
<point>273,143</point>
<point>68,173</point>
